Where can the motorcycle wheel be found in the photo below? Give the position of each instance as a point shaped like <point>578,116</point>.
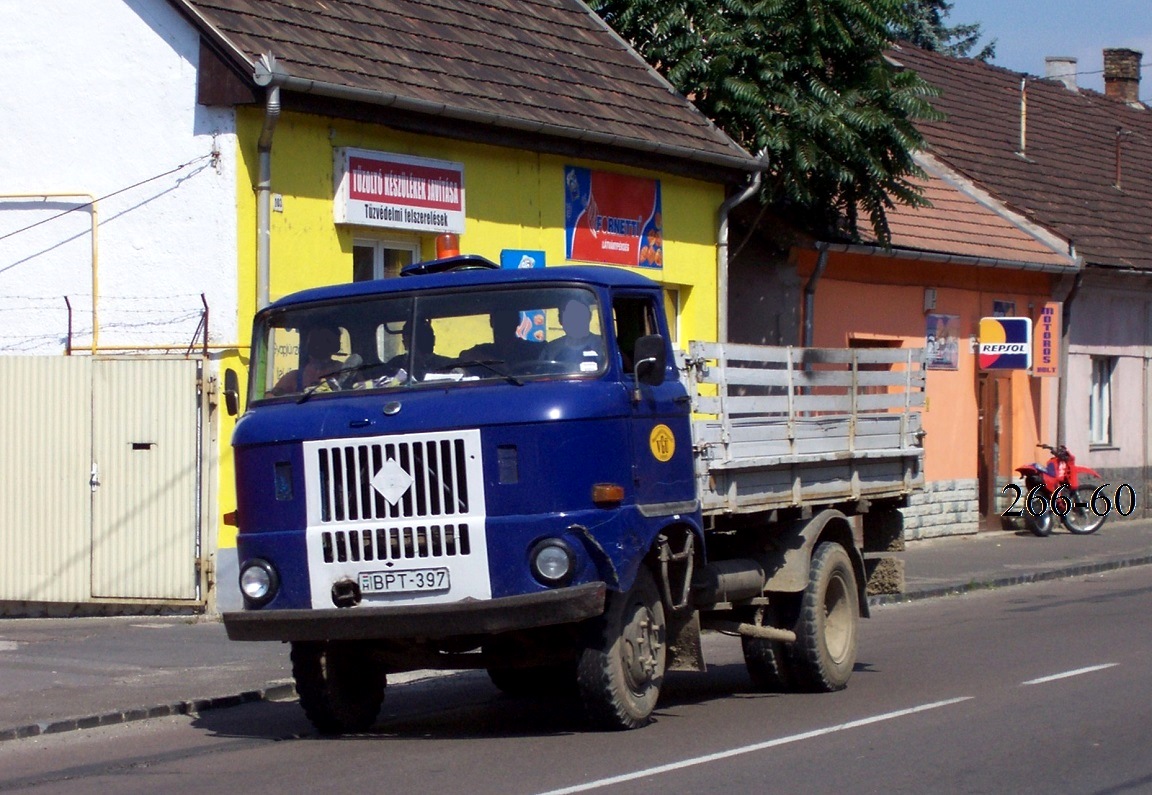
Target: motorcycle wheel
<point>1080,518</point>
<point>1040,525</point>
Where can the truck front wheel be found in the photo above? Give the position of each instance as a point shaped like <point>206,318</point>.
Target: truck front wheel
<point>622,668</point>
<point>825,649</point>
<point>340,686</point>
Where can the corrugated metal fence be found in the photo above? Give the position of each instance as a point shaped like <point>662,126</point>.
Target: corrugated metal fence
<point>101,479</point>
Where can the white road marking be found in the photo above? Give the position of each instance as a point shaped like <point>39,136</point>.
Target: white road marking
<point>748,749</point>
<point>1067,674</point>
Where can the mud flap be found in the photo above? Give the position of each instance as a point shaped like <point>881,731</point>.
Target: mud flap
<point>685,652</point>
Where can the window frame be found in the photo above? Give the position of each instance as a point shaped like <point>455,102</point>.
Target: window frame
<point>1103,371</point>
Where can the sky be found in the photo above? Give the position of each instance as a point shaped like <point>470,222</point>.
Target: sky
<point>1026,31</point>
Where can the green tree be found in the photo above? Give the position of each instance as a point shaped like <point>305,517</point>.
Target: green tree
<point>924,26</point>
<point>804,81</point>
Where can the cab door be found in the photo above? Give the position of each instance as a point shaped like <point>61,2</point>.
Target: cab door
<point>662,472</point>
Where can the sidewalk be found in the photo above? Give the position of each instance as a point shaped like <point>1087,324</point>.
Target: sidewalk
<point>61,674</point>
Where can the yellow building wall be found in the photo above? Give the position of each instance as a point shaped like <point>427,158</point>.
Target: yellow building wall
<point>513,200</point>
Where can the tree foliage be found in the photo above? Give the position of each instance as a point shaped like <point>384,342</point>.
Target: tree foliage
<point>924,26</point>
<point>804,81</point>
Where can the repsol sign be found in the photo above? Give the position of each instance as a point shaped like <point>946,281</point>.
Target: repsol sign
<point>1005,343</point>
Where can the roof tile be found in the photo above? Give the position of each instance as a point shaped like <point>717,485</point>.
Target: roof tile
<point>527,62</point>
<point>1066,178</point>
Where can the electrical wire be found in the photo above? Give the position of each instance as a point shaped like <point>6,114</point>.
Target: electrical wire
<point>210,156</point>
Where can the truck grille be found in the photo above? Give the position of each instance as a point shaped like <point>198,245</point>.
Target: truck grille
<point>397,503</point>
<point>389,478</point>
<point>394,543</point>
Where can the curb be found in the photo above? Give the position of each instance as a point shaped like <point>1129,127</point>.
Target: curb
<point>272,692</point>
<point>1077,570</point>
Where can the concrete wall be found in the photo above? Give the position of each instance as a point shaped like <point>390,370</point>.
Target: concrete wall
<point>97,97</point>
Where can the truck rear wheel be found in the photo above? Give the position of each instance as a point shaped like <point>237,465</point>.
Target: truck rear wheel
<point>825,649</point>
<point>340,686</point>
<point>622,668</point>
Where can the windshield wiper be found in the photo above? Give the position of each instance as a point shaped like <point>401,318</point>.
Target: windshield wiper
<point>353,364</point>
<point>489,364</point>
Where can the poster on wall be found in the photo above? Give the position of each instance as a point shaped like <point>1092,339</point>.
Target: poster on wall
<point>1046,353</point>
<point>1005,343</point>
<point>941,341</point>
<point>613,219</point>
<point>398,191</point>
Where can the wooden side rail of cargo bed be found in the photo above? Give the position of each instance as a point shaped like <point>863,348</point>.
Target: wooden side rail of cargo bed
<point>777,426</point>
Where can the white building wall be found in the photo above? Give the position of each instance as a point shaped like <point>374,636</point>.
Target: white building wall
<point>98,97</point>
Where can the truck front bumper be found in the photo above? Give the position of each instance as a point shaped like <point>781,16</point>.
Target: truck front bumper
<point>470,617</point>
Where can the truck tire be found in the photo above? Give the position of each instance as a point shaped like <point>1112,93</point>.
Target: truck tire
<point>825,649</point>
<point>767,661</point>
<point>340,686</point>
<point>621,669</point>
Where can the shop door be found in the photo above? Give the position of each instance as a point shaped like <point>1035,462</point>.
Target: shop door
<point>995,432</point>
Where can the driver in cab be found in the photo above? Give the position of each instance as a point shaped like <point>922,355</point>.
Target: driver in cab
<point>321,346</point>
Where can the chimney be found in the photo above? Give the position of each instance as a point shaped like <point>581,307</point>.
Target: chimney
<point>1062,68</point>
<point>1122,74</point>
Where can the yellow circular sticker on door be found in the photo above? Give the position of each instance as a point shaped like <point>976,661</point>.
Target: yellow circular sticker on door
<point>662,443</point>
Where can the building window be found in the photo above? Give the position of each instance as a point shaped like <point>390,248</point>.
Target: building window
<point>1100,400</point>
<point>381,259</point>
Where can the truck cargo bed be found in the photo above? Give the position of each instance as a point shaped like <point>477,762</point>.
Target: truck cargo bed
<point>777,427</point>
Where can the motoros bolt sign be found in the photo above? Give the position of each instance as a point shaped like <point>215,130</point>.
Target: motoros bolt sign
<point>1005,343</point>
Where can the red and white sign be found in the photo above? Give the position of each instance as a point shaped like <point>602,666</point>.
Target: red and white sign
<point>399,191</point>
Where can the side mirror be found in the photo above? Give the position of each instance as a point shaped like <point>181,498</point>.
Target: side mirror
<point>231,392</point>
<point>651,359</point>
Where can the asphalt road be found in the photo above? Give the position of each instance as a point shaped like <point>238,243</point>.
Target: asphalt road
<point>1041,688</point>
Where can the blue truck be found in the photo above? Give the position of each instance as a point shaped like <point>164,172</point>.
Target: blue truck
<point>518,471</point>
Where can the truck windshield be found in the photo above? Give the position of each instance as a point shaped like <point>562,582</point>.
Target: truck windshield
<point>442,339</point>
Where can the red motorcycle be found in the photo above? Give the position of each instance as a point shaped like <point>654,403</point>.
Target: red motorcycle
<point>1054,491</point>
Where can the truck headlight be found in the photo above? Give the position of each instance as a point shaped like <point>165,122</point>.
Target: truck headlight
<point>553,562</point>
<point>259,582</point>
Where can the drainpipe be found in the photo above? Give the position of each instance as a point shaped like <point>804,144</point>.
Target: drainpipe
<point>810,294</point>
<point>265,75</point>
<point>722,250</point>
<point>1065,325</point>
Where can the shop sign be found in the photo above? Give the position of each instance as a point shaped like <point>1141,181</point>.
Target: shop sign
<point>399,192</point>
<point>613,219</point>
<point>1046,354</point>
<point>1005,343</point>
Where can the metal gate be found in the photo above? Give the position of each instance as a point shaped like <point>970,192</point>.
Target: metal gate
<point>100,479</point>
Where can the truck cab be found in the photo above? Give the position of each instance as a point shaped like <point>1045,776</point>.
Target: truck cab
<point>464,454</point>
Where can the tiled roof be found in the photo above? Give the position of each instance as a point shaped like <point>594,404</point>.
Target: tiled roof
<point>1065,180</point>
<point>534,69</point>
<point>964,222</point>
